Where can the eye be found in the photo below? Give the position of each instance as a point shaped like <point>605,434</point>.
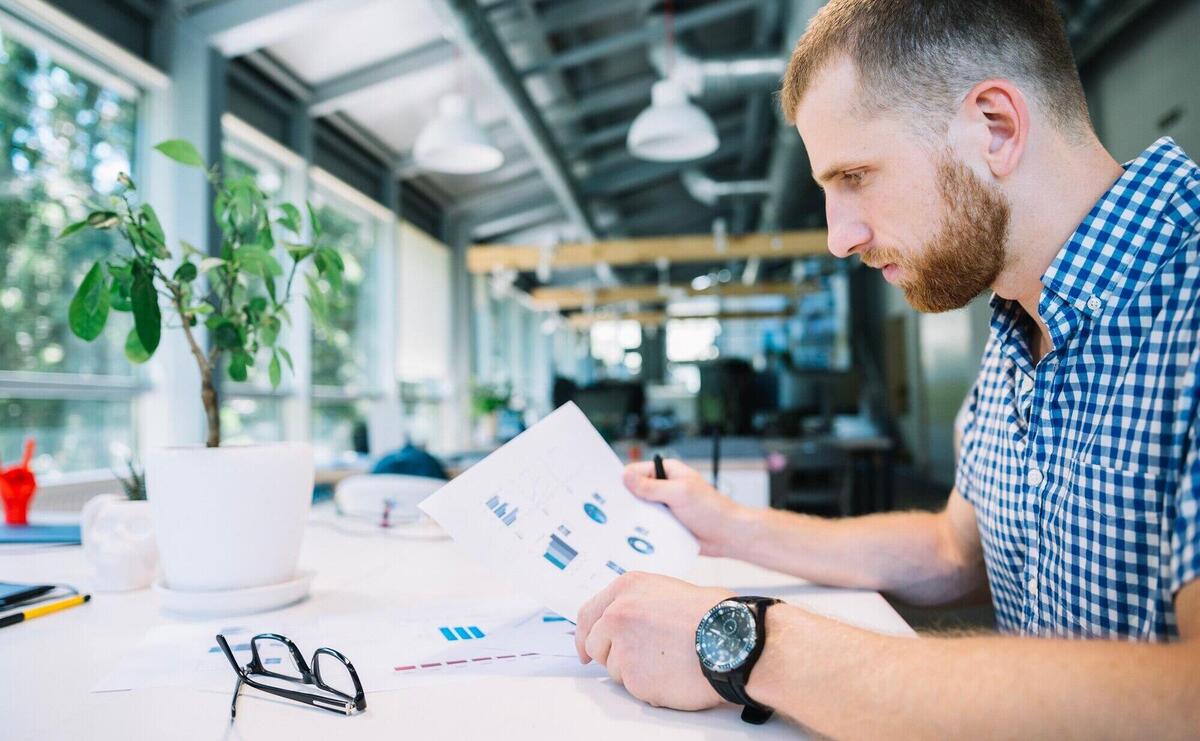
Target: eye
<point>853,177</point>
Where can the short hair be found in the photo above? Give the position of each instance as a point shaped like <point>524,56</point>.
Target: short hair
<point>928,54</point>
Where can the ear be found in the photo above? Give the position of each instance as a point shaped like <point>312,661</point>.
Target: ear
<point>994,121</point>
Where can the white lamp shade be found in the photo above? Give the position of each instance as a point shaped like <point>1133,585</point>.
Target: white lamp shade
<point>672,129</point>
<point>453,143</point>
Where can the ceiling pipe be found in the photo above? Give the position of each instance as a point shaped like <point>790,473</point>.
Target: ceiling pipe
<point>470,24</point>
<point>709,191</point>
<point>787,171</point>
<point>720,78</point>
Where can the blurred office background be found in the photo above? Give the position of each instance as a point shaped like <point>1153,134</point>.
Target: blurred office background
<point>476,303</point>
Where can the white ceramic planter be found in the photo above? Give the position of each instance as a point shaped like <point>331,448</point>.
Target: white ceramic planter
<point>230,517</point>
<point>118,540</point>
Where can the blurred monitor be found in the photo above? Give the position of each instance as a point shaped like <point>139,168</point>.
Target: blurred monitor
<point>615,408</point>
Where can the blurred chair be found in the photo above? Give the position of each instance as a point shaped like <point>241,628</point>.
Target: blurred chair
<point>813,476</point>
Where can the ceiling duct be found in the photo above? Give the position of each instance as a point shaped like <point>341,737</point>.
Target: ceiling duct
<point>720,78</point>
<point>709,191</point>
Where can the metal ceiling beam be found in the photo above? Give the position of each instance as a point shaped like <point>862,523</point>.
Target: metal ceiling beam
<point>501,197</point>
<point>582,12</point>
<point>533,216</point>
<point>328,97</point>
<point>608,98</point>
<point>653,31</point>
<point>599,138</point>
<point>238,27</point>
<point>487,52</point>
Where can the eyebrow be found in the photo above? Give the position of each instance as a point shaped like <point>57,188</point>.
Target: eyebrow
<point>831,172</point>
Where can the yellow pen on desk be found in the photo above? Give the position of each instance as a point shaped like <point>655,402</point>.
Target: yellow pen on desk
<point>34,612</point>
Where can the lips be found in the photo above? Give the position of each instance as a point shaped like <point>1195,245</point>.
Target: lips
<point>891,272</point>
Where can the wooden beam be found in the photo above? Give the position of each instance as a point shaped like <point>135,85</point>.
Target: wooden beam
<point>654,318</point>
<point>680,249</point>
<point>568,297</point>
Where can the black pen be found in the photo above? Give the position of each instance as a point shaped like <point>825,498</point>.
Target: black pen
<point>659,471</point>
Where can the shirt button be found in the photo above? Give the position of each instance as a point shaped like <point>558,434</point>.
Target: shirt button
<point>1026,384</point>
<point>1034,477</point>
<point>1033,586</point>
<point>1094,304</point>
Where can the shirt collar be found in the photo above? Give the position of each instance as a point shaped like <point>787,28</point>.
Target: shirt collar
<point>1118,245</point>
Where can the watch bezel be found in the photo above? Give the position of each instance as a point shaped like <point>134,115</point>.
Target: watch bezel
<point>752,620</point>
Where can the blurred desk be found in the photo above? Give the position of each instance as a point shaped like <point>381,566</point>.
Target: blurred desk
<point>49,666</point>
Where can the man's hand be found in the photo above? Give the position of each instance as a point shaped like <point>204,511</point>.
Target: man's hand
<point>642,628</point>
<point>713,518</point>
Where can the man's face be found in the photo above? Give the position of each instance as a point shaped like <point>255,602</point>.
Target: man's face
<point>917,212</point>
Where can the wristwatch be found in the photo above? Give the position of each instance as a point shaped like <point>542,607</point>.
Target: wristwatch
<point>729,640</point>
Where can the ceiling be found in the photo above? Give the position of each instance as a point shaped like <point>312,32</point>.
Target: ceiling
<point>557,83</point>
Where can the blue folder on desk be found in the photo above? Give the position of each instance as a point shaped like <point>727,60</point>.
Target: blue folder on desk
<point>39,534</point>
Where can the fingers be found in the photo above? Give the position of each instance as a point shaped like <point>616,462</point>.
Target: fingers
<point>591,612</point>
<point>599,643</point>
<point>670,492</point>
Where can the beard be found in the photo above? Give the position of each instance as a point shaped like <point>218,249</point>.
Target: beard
<point>969,250</point>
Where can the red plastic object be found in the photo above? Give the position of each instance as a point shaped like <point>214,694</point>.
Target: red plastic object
<point>17,487</point>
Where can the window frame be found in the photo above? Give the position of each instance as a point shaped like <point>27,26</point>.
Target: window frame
<point>91,57</point>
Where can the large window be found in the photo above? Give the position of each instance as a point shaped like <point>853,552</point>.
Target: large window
<point>344,357</point>
<point>253,411</point>
<point>63,141</point>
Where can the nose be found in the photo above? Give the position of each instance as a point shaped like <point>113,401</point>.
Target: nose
<point>848,234</point>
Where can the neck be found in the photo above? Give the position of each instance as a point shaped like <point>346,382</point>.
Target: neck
<point>1049,200</point>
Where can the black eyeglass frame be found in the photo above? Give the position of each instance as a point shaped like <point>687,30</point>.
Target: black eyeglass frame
<point>349,705</point>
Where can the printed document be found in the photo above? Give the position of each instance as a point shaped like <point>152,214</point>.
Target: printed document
<point>549,512</point>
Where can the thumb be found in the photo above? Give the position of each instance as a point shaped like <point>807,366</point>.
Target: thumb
<point>670,492</point>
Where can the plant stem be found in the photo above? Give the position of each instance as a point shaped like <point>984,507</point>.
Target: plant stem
<point>208,392</point>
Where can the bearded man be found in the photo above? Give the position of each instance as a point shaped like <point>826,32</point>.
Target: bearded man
<point>953,144</point>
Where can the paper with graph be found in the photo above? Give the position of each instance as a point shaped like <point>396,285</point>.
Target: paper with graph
<point>549,511</point>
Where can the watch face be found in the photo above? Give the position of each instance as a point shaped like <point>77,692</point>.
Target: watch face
<point>726,636</point>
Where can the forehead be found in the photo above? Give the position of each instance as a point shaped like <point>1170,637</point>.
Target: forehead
<point>836,126</point>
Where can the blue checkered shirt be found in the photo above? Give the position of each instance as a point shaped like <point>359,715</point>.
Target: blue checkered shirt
<point>1084,471</point>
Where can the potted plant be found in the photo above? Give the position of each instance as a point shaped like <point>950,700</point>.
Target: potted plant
<point>224,517</point>
<point>486,402</point>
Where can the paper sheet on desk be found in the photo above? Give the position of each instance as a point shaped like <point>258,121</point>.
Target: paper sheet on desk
<point>549,511</point>
<point>390,650</point>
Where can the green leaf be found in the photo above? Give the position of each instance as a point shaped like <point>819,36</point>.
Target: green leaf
<point>182,152</point>
<point>147,318</point>
<point>290,219</point>
<point>133,348</point>
<point>186,273</point>
<point>88,312</point>
<point>276,373</point>
<point>151,224</point>
<point>312,217</point>
<point>226,335</point>
<point>269,330</point>
<point>298,251</point>
<point>237,366</point>
<point>72,228</point>
<point>209,263</point>
<point>103,219</point>
<point>287,358</point>
<point>118,296</point>
<point>199,309</point>
<point>189,249</point>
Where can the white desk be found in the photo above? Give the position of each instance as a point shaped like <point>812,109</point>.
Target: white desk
<point>41,698</point>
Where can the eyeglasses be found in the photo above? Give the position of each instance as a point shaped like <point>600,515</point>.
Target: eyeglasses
<point>337,669</point>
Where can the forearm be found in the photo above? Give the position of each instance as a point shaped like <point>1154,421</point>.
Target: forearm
<point>850,683</point>
<point>900,553</point>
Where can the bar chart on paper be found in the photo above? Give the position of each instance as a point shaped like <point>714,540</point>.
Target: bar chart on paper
<point>550,511</point>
